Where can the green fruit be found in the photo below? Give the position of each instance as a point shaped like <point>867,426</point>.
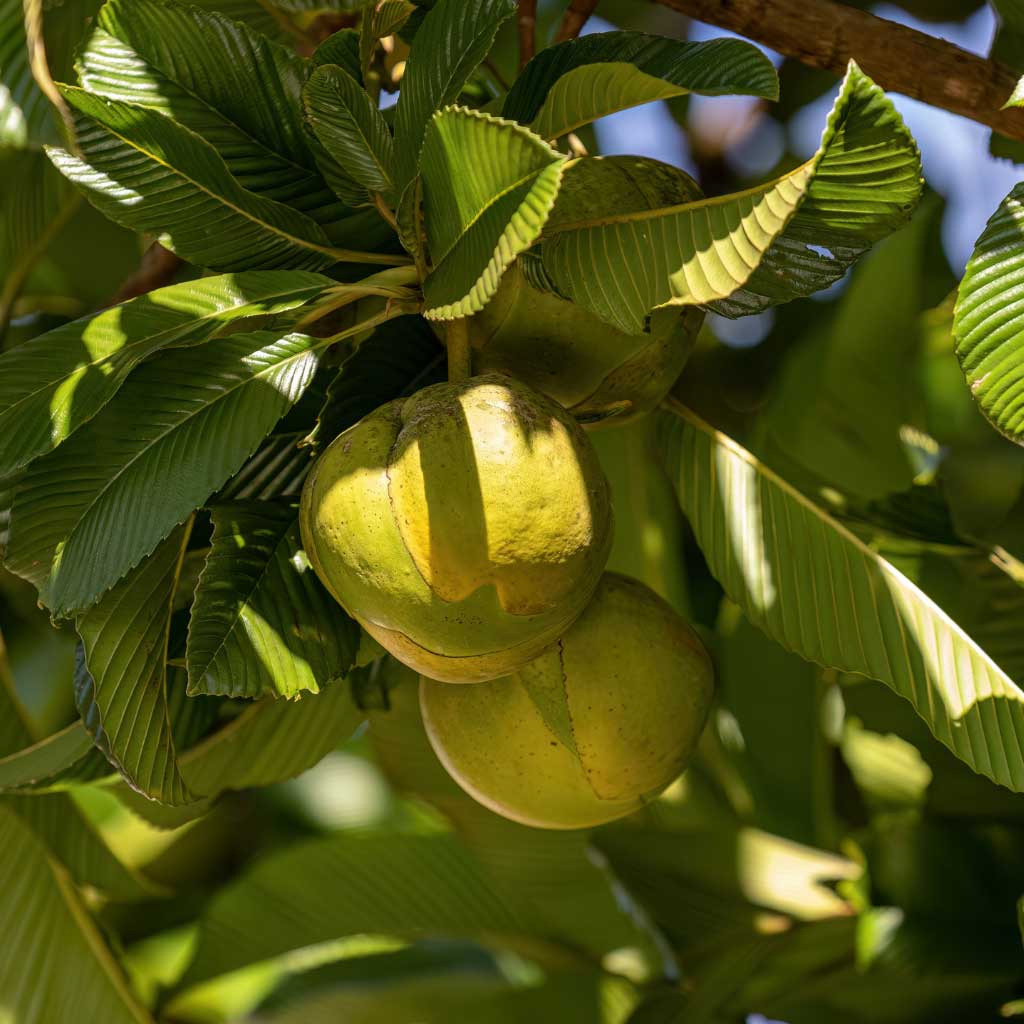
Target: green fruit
<point>465,527</point>
<point>595,370</point>
<point>590,730</point>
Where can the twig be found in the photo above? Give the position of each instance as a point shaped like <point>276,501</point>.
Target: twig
<point>827,35</point>
<point>456,338</point>
<point>527,21</point>
<point>574,19</point>
<point>156,269</point>
<point>34,40</point>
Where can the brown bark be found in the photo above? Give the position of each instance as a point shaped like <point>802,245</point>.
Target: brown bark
<point>826,35</point>
<point>527,23</point>
<point>156,269</point>
<point>575,18</point>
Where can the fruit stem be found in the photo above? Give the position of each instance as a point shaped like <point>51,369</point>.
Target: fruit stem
<point>457,343</point>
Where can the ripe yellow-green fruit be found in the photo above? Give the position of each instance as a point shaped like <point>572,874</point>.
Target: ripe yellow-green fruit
<point>601,374</point>
<point>590,730</point>
<point>465,527</point>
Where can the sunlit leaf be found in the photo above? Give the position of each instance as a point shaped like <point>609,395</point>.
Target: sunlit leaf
<point>262,624</point>
<point>176,431</point>
<point>453,39</point>
<point>988,329</point>
<point>861,184</point>
<point>148,173</point>
<point>239,91</point>
<point>817,589</point>
<point>488,187</point>
<point>53,384</point>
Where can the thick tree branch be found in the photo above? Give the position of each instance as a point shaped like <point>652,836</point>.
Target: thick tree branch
<point>575,18</point>
<point>826,35</point>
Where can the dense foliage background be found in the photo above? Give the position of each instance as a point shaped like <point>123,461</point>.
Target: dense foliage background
<point>825,858</point>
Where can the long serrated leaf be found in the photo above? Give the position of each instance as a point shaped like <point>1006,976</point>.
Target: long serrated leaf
<point>820,591</point>
<point>350,128</point>
<point>238,90</point>
<point>88,511</point>
<point>488,187</point>
<point>60,761</point>
<point>54,383</point>
<point>345,885</point>
<point>54,964</point>
<point>862,183</point>
<point>453,39</point>
<point>342,49</point>
<point>150,174</point>
<point>262,624</point>
<point>580,80</point>
<point>122,697</point>
<point>988,326</point>
<point>270,741</point>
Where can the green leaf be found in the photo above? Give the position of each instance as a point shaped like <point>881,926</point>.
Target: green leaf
<point>262,624</point>
<point>817,589</point>
<point>453,39</point>
<point>54,383</point>
<point>400,357</point>
<point>61,761</point>
<point>54,964</point>
<point>238,90</point>
<point>488,187</point>
<point>988,327</point>
<point>149,174</point>
<point>123,698</point>
<point>860,185</point>
<point>325,889</point>
<point>270,741</point>
<point>577,81</point>
<point>350,128</point>
<point>861,358</point>
<point>342,49</point>
<point>35,204</point>
<point>179,427</point>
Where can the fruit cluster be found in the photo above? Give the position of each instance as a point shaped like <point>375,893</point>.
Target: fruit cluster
<point>467,529</point>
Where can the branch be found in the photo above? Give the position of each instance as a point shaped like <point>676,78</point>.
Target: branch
<point>527,21</point>
<point>157,268</point>
<point>826,35</point>
<point>575,18</point>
